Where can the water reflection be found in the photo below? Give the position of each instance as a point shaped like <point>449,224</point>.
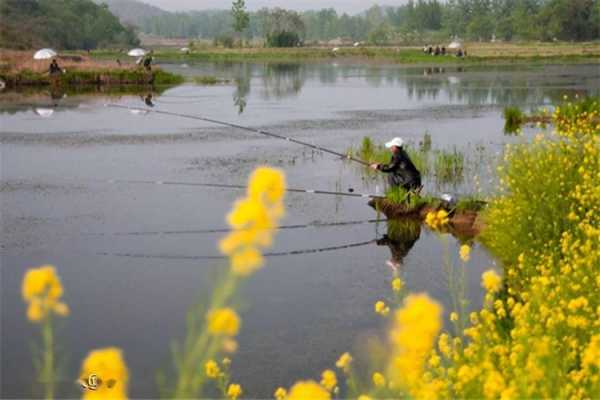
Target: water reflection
<point>472,85</point>
<point>401,236</point>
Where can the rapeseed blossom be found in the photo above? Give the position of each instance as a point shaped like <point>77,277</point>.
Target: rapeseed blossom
<point>465,252</point>
<point>381,308</point>
<point>42,291</point>
<point>397,284</point>
<point>416,326</point>
<point>280,393</point>
<point>491,281</point>
<point>328,380</point>
<point>223,321</point>
<point>344,362</point>
<point>378,379</point>
<point>437,220</point>
<point>109,366</point>
<point>304,390</point>
<point>253,221</point>
<point>212,369</point>
<point>234,391</point>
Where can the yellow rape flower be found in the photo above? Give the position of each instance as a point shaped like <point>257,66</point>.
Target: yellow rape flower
<point>397,284</point>
<point>415,328</point>
<point>109,366</point>
<point>344,361</point>
<point>436,220</point>
<point>234,391</point>
<point>42,290</point>
<point>280,393</point>
<point>254,219</point>
<point>212,369</point>
<point>268,183</point>
<point>364,397</point>
<point>378,379</point>
<point>381,308</point>
<point>328,379</point>
<point>308,390</point>
<point>465,252</point>
<point>453,317</point>
<point>491,281</point>
<point>223,321</point>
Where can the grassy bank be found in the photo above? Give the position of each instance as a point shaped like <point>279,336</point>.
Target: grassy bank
<point>478,53</point>
<point>18,69</point>
<point>91,78</point>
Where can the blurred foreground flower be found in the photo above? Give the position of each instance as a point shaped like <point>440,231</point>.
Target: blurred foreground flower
<point>42,290</point>
<point>253,220</point>
<point>109,366</point>
<point>305,390</point>
<point>415,329</point>
<point>223,321</point>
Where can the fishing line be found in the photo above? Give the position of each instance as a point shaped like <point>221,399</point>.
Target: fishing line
<point>226,186</point>
<point>274,254</point>
<point>231,125</point>
<point>226,230</point>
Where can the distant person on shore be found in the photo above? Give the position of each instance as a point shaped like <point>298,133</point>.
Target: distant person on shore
<point>401,169</point>
<point>443,50</point>
<point>459,53</point>
<point>148,62</point>
<point>54,68</point>
<point>437,51</point>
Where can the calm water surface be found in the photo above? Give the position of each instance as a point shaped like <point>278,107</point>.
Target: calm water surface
<point>301,311</point>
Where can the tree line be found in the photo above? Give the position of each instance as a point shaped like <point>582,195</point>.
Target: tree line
<point>63,24</point>
<point>546,20</point>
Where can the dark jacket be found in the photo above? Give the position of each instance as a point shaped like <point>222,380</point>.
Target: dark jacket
<point>402,171</point>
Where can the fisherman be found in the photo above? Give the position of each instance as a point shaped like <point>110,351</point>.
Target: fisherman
<point>148,62</point>
<point>54,68</point>
<point>401,169</point>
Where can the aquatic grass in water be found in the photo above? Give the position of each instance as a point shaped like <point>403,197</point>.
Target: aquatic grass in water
<point>448,166</point>
<point>513,119</point>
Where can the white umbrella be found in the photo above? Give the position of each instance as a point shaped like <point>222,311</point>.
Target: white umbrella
<point>44,54</point>
<point>335,49</point>
<point>184,49</point>
<point>44,112</point>
<point>137,53</point>
<point>455,45</point>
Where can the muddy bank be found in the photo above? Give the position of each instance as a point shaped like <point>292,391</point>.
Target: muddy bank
<point>462,223</point>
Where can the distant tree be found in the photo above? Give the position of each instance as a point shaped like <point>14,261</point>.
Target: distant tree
<point>241,18</point>
<point>283,28</point>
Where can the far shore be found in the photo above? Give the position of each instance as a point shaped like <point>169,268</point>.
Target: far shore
<point>477,53</point>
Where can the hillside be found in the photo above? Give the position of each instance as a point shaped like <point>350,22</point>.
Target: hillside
<point>62,24</point>
<point>132,11</point>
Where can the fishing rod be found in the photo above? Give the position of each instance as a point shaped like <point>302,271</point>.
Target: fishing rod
<point>226,230</point>
<point>226,186</point>
<point>245,128</point>
<point>273,254</point>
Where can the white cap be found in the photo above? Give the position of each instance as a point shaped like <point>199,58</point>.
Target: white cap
<point>398,142</point>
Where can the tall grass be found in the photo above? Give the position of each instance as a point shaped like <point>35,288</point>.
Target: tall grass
<point>513,119</point>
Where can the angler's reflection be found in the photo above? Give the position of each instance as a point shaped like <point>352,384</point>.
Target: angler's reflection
<point>401,236</point>
<point>148,99</point>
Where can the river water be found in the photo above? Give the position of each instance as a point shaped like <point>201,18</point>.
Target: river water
<point>132,257</point>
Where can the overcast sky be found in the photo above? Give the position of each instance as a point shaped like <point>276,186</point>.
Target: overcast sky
<point>349,6</point>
